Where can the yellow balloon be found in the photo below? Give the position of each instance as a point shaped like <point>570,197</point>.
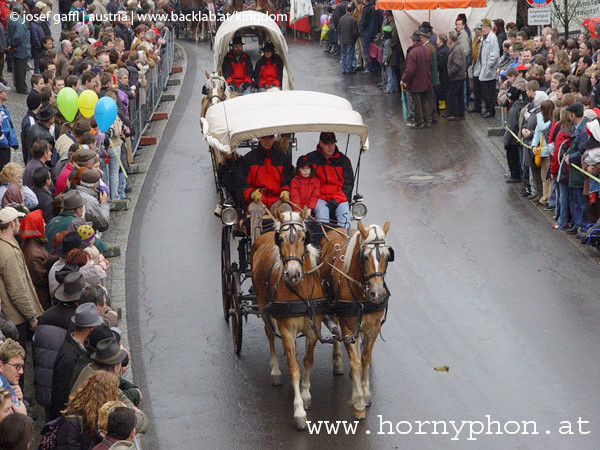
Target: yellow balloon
<point>87,102</point>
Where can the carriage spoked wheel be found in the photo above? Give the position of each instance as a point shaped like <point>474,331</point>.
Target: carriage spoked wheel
<point>226,271</point>
<point>236,310</point>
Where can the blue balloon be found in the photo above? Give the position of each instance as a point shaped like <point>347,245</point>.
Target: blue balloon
<point>105,112</point>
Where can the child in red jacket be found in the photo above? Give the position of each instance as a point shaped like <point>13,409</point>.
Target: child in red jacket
<point>305,186</point>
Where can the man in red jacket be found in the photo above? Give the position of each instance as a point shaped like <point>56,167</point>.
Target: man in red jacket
<point>237,67</point>
<point>334,171</point>
<point>265,175</point>
<point>417,79</point>
<point>268,72</point>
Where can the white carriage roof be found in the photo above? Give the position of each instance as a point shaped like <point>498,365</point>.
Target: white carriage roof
<point>255,19</point>
<point>231,122</point>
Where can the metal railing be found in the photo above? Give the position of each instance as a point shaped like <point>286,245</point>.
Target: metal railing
<point>140,115</point>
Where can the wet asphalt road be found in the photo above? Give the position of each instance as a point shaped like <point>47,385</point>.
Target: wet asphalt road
<point>481,283</point>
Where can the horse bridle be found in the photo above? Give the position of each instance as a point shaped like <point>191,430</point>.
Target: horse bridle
<point>212,80</point>
<point>292,226</point>
<point>377,244</point>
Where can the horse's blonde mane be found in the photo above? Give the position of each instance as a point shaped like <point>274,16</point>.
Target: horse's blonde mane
<point>375,234</point>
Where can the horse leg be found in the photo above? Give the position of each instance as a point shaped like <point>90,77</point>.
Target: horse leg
<point>358,401</point>
<point>338,365</point>
<point>288,339</point>
<point>311,342</point>
<point>276,377</point>
<point>372,325</point>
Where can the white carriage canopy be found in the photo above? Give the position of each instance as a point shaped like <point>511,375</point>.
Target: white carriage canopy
<point>231,122</point>
<point>255,19</point>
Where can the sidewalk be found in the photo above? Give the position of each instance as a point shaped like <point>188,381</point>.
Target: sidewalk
<point>495,145</point>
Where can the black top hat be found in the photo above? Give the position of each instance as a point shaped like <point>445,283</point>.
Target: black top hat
<point>70,290</point>
<point>237,40</point>
<point>46,112</point>
<point>109,352</point>
<point>70,241</point>
<point>268,47</point>
<point>327,137</point>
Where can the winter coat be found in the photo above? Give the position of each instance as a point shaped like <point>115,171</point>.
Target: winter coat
<point>501,36</point>
<point>512,122</point>
<point>305,191</point>
<point>125,33</point>
<point>457,63</point>
<point>95,212</point>
<point>64,364</point>
<point>347,29</point>
<point>36,37</point>
<point>237,70</point>
<point>56,225</point>
<point>28,121</point>
<point>31,167</point>
<point>465,42</point>
<point>370,21</point>
<point>268,71</point>
<point>72,434</point>
<point>268,170</point>
<point>435,74</point>
<point>35,254</point>
<point>487,63</point>
<point>338,13</point>
<point>18,37</point>
<point>8,136</point>
<point>134,76</point>
<point>49,337</point>
<point>542,128</point>
<point>561,145</point>
<point>335,175</point>
<point>443,53</point>
<point>37,132</point>
<point>417,74</point>
<point>575,151</point>
<point>17,293</point>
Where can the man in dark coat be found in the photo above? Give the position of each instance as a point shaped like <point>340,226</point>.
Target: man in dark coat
<point>36,35</point>
<point>34,103</point>
<point>41,131</point>
<point>19,45</point>
<point>456,68</point>
<point>417,79</point>
<point>348,33</point>
<point>370,23</point>
<point>443,51</point>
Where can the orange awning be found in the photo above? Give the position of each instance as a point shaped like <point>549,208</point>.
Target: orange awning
<point>429,4</point>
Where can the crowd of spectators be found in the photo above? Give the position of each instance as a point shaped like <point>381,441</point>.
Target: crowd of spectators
<point>59,182</point>
<point>547,87</point>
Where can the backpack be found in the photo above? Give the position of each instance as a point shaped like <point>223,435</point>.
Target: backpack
<point>49,432</point>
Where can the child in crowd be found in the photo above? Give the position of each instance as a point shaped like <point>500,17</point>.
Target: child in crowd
<point>305,186</point>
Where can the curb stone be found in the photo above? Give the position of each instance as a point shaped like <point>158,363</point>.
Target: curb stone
<point>120,222</point>
<point>495,145</point>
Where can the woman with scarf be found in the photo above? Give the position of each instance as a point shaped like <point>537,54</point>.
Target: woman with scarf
<point>34,250</point>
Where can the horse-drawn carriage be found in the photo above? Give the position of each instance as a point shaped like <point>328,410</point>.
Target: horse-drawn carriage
<point>280,277</point>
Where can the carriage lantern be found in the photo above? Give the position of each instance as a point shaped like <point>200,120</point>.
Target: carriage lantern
<point>229,213</point>
<point>358,208</point>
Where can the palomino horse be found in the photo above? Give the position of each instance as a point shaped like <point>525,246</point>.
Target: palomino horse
<point>355,273</point>
<point>288,289</point>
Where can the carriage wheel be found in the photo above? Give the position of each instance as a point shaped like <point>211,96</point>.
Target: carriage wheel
<point>236,311</point>
<point>226,271</point>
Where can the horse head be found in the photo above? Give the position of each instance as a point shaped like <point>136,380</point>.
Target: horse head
<point>293,241</point>
<point>216,88</point>
<point>374,257</point>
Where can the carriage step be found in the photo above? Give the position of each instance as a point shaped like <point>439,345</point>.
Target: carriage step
<point>176,69</point>
<point>160,116</point>
<point>173,82</point>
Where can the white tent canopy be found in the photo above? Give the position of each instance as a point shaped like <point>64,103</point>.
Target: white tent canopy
<point>255,19</point>
<point>231,122</point>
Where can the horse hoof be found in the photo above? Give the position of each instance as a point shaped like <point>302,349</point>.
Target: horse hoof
<point>276,380</point>
<point>307,404</point>
<point>300,423</point>
<point>338,370</point>
<point>367,401</point>
<point>359,414</point>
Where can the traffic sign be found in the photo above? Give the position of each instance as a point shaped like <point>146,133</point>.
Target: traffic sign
<point>538,16</point>
<point>539,3</point>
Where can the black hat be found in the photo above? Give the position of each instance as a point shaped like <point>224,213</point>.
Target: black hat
<point>426,26</point>
<point>33,100</point>
<point>70,241</point>
<point>71,289</point>
<point>416,36</point>
<point>268,47</point>
<point>576,108</point>
<point>514,93</point>
<point>237,40</point>
<point>46,112</point>
<point>98,334</point>
<point>108,352</point>
<point>327,137</point>
<point>303,161</point>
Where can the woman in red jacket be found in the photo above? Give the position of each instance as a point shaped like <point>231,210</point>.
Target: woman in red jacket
<point>306,187</point>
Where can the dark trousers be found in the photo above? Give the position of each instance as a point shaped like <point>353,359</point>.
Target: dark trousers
<point>512,158</point>
<point>1,66</point>
<point>19,71</point>
<point>4,157</point>
<point>455,99</point>
<point>488,89</point>
<point>476,95</point>
<point>431,100</point>
<point>421,105</point>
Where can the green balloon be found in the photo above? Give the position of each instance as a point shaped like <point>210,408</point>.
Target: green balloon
<point>68,103</point>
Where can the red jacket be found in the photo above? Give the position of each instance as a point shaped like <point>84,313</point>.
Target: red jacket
<point>268,71</point>
<point>305,191</point>
<point>237,70</point>
<point>269,170</point>
<point>563,136</point>
<point>335,175</point>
